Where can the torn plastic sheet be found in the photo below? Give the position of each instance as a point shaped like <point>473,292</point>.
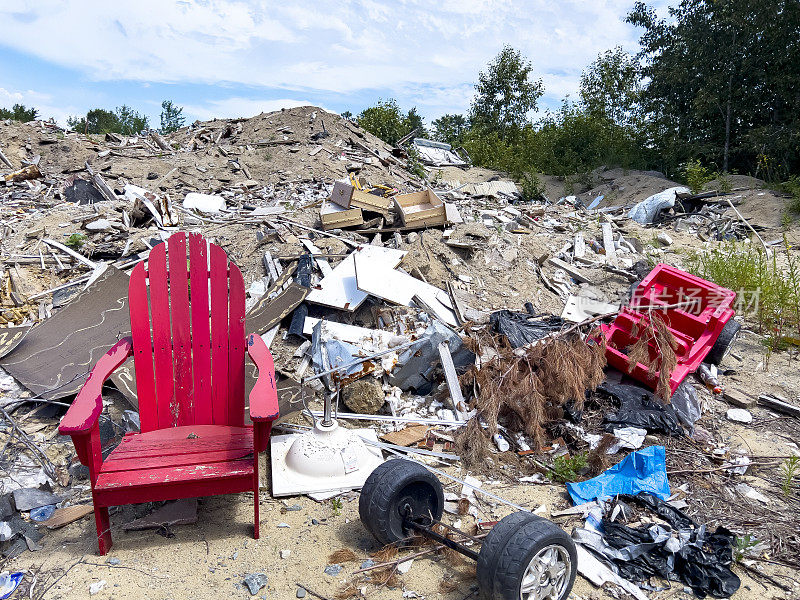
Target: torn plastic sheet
<point>640,408</point>
<point>328,353</point>
<point>680,550</point>
<point>416,365</point>
<point>686,404</point>
<point>648,210</point>
<point>523,328</point>
<point>641,471</point>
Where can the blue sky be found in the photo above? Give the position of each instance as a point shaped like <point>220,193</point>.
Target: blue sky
<point>231,58</point>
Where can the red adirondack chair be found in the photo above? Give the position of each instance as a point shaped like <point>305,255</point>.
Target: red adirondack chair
<point>190,383</point>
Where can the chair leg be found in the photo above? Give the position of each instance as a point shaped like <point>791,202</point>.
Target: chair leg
<point>255,496</point>
<point>103,529</point>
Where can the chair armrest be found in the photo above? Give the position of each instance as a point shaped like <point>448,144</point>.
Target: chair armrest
<point>264,396</point>
<point>88,404</point>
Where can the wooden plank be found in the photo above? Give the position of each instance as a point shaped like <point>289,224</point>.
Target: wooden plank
<point>579,245</point>
<point>181,336</point>
<point>608,240</point>
<point>67,515</point>
<point>235,347</point>
<point>570,270</point>
<point>76,255</point>
<point>204,457</point>
<point>162,337</point>
<point>452,379</point>
<point>778,405</point>
<point>173,475</point>
<point>219,335</point>
<point>201,330</point>
<point>739,399</point>
<point>408,436</point>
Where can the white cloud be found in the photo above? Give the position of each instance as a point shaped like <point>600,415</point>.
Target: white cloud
<point>44,103</point>
<point>321,46</point>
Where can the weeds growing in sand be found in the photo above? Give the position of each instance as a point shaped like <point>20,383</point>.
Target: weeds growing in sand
<point>767,287</point>
<point>567,468</point>
<point>790,469</point>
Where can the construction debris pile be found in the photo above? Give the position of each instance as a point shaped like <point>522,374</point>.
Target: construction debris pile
<point>443,317</point>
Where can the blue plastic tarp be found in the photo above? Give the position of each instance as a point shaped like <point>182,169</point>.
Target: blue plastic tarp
<point>641,471</point>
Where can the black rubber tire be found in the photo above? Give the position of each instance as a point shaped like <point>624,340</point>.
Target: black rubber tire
<point>388,489</point>
<point>512,558</point>
<point>494,542</point>
<point>725,340</point>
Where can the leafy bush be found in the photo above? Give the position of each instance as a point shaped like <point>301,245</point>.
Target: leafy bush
<point>567,468</point>
<point>697,176</point>
<point>532,187</point>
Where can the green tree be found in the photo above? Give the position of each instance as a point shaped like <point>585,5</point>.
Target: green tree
<point>610,87</point>
<point>124,120</point>
<point>386,121</point>
<point>723,80</point>
<point>347,115</point>
<point>450,129</point>
<point>19,112</point>
<point>130,121</point>
<point>505,94</point>
<point>413,121</point>
<point>172,117</point>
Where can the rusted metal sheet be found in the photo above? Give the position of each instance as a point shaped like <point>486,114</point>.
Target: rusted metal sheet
<point>53,359</point>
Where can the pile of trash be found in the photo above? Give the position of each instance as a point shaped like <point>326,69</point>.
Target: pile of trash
<point>442,320</point>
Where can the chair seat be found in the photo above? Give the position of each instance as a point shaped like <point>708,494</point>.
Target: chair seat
<point>212,459</point>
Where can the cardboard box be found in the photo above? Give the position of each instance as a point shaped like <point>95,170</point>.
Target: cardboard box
<point>334,216</point>
<point>346,196</point>
<point>420,209</point>
<point>341,193</point>
<point>370,202</point>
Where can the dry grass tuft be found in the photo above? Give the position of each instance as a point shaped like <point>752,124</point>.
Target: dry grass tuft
<point>342,555</point>
<point>385,554</point>
<point>348,590</point>
<point>527,387</point>
<point>598,459</point>
<point>655,341</point>
<point>447,584</point>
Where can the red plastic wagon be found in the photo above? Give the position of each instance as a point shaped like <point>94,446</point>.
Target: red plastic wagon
<point>697,312</point>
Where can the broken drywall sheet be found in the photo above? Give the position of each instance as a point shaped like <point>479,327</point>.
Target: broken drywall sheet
<point>339,289</point>
<point>400,288</point>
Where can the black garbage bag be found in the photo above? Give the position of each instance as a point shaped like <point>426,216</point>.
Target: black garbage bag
<point>640,408</point>
<point>682,551</point>
<point>523,328</point>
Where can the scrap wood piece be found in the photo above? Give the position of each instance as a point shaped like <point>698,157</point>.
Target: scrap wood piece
<point>67,250</point>
<point>569,269</point>
<point>56,355</point>
<point>25,173</point>
<point>100,183</point>
<point>269,312</point>
<point>408,436</point>
<point>738,399</point>
<point>67,515</point>
<point>778,405</point>
<point>579,245</point>
<point>340,288</point>
<point>452,379</point>
<point>608,241</point>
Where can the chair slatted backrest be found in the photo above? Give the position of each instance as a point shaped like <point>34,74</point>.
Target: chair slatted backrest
<point>188,335</point>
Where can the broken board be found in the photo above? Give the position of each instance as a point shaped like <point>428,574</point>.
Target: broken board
<point>53,359</point>
<point>339,289</point>
<point>400,288</point>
